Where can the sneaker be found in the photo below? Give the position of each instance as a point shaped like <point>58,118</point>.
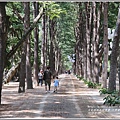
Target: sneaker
<point>49,91</point>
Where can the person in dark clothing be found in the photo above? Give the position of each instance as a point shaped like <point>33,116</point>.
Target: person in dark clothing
<point>47,78</point>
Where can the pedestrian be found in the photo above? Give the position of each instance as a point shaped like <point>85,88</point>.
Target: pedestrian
<point>56,84</point>
<point>47,76</point>
<point>40,77</point>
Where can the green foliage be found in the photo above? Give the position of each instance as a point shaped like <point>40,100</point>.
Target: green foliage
<point>68,64</point>
<point>103,91</point>
<point>112,97</point>
<point>111,100</point>
<point>15,30</point>
<point>79,77</point>
<point>106,91</point>
<point>112,14</point>
<point>65,35</point>
<point>54,10</point>
<point>91,84</point>
<point>66,15</point>
<point>85,81</point>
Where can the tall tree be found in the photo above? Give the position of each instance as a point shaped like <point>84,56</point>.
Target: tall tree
<point>88,46</point>
<point>22,72</point>
<point>105,57</point>
<point>78,45</point>
<point>52,47</point>
<point>28,53</point>
<point>3,38</point>
<point>35,12</point>
<point>94,50</point>
<point>97,41</point>
<point>43,44</point>
<point>114,55</point>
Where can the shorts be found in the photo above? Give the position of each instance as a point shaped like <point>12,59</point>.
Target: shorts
<point>47,82</point>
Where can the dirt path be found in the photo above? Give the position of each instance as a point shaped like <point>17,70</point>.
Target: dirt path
<point>73,100</point>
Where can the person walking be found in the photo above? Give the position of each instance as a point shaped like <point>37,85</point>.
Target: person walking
<point>47,76</point>
<point>40,77</point>
<point>56,84</point>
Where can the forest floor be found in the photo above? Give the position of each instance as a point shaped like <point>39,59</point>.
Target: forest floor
<point>73,100</point>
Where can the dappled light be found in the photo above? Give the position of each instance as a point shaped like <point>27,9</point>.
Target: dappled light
<point>72,100</point>
<point>59,59</point>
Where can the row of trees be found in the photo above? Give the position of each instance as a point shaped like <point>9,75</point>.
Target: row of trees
<point>31,40</point>
<point>36,34</point>
<point>92,43</point>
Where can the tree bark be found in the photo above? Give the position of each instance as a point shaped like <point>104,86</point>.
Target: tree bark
<point>36,67</point>
<point>7,78</point>
<point>52,47</point>
<point>97,60</point>
<point>43,46</point>
<point>114,55</point>
<point>105,59</point>
<point>88,70</point>
<point>22,71</point>
<point>3,39</point>
<point>28,52</point>
<point>94,42</point>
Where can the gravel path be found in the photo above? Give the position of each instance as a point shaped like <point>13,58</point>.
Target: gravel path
<point>73,100</point>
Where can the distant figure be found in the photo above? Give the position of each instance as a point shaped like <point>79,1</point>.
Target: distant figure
<point>69,72</point>
<point>40,77</point>
<point>66,72</point>
<point>47,78</point>
<point>56,84</point>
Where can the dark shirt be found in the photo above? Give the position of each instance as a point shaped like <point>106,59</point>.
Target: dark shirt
<point>47,75</point>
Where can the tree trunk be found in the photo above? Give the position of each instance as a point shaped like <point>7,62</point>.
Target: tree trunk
<point>97,61</point>
<point>23,57</point>
<point>46,39</point>
<point>105,59</point>
<point>43,46</point>
<point>28,63</point>
<point>119,72</point>
<point>94,42</point>
<point>88,41</point>
<point>52,47</point>
<point>114,55</point>
<point>3,39</point>
<point>78,46</point>
<point>35,74</point>
<point>7,78</point>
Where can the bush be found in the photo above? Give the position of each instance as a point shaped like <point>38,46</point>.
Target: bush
<point>79,77</point>
<point>91,84</point>
<point>106,91</point>
<point>112,100</point>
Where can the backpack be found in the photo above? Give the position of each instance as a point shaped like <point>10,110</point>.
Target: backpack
<point>47,75</point>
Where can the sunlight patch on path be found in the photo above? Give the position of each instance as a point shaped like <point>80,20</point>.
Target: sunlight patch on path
<point>76,104</point>
<point>42,104</point>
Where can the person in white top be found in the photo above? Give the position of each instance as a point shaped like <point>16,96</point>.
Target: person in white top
<point>56,84</point>
<point>40,77</point>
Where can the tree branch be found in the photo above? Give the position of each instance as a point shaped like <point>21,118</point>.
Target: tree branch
<point>36,20</point>
<point>16,12</point>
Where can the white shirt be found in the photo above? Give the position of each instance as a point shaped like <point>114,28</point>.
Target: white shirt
<point>40,75</point>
